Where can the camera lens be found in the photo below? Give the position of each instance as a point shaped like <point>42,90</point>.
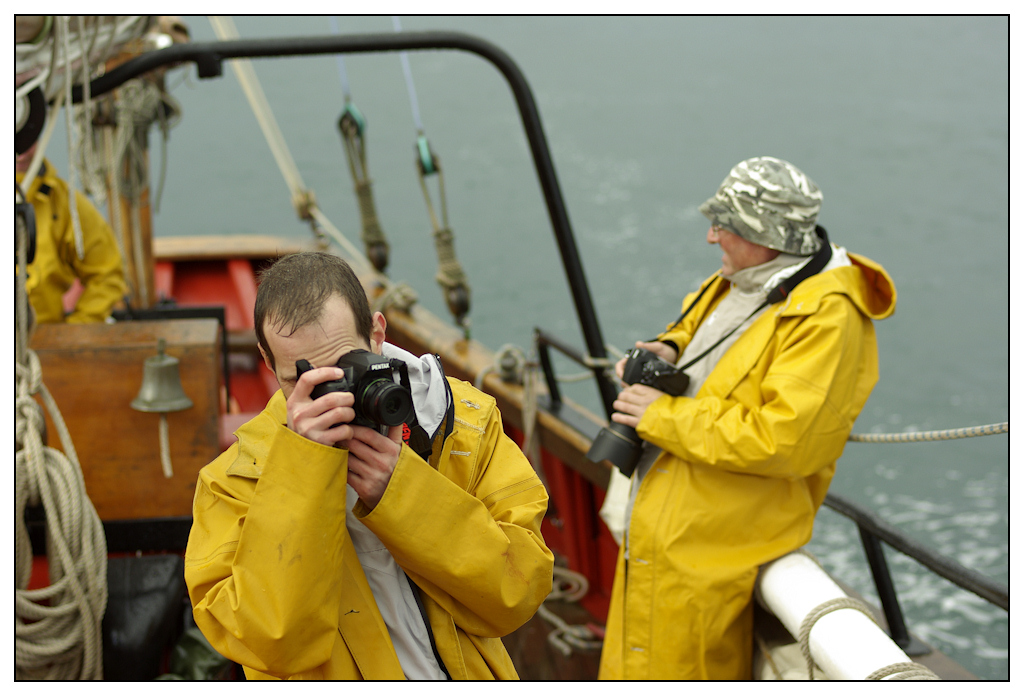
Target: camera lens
<point>385,402</point>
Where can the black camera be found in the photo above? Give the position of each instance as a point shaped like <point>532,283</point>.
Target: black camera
<point>619,444</point>
<point>380,401</point>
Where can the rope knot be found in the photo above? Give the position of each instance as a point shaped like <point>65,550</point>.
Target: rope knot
<point>304,202</point>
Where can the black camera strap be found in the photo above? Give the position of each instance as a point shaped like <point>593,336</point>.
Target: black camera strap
<point>776,294</point>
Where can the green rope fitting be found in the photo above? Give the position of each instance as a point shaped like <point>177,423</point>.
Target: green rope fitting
<point>352,121</point>
<point>424,157</point>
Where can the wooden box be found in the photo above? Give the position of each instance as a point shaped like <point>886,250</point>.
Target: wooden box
<point>94,372</point>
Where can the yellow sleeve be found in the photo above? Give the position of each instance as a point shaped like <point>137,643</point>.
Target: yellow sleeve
<point>264,557</point>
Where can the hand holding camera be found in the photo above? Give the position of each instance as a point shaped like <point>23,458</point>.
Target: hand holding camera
<point>367,381</point>
<point>618,444</point>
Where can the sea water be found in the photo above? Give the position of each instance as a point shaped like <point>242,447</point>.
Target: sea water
<point>902,121</point>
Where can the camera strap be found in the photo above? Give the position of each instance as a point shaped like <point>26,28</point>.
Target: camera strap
<point>776,294</point>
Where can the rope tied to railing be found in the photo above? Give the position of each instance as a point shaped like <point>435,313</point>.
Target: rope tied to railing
<point>933,435</point>
<point>823,609</point>
<point>903,671</point>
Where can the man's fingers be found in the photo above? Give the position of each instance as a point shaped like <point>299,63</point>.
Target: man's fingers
<point>307,381</point>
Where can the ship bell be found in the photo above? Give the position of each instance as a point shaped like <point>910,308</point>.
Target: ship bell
<point>161,390</point>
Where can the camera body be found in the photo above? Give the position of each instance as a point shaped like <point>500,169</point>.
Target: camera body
<point>619,444</point>
<point>380,401</point>
<point>644,367</point>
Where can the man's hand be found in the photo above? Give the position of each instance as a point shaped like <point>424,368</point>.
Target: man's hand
<point>662,350</point>
<point>371,461</point>
<point>632,402</point>
<point>313,418</point>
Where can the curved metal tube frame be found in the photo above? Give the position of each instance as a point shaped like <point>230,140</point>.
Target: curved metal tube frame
<point>209,56</point>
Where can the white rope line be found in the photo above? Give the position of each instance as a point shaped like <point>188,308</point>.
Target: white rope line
<point>413,101</point>
<point>934,435</point>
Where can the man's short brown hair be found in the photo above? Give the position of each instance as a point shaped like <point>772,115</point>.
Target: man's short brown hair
<point>292,294</point>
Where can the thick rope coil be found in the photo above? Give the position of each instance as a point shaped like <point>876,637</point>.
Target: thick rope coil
<point>817,613</point>
<point>904,671</point>
<point>934,435</point>
<point>57,628</point>
<point>568,586</point>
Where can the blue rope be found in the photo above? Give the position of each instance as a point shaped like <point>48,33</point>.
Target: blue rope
<point>408,80</point>
<point>341,64</point>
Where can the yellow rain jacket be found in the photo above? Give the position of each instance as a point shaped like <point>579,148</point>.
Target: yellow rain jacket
<point>276,584</point>
<point>745,465</point>
<point>56,263</point>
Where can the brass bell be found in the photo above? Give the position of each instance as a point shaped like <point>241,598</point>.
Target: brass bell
<point>161,390</point>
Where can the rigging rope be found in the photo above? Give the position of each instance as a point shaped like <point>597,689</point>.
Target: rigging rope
<point>450,275</point>
<point>352,125</point>
<point>304,201</point>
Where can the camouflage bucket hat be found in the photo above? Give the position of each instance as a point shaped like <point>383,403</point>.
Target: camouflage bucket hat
<point>769,202</point>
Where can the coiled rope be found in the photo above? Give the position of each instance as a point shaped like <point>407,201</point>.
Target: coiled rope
<point>934,435</point>
<point>568,586</point>
<point>57,628</point>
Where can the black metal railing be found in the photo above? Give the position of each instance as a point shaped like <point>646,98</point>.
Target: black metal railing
<point>873,531</point>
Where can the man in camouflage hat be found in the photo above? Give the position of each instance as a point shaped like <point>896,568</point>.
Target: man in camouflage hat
<point>779,346</point>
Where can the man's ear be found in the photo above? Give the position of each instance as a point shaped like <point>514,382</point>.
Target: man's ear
<point>266,359</point>
<point>378,327</point>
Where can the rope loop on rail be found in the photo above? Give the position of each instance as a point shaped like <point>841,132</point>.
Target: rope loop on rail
<point>826,607</point>
<point>904,671</point>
